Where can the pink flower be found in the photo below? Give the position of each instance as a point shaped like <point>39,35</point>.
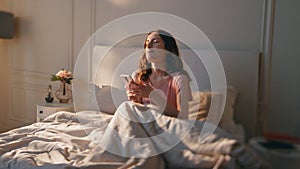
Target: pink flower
<point>63,75</point>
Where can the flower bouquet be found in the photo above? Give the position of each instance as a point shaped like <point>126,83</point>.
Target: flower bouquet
<point>64,93</point>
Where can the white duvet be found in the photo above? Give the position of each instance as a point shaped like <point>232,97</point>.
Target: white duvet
<point>90,139</point>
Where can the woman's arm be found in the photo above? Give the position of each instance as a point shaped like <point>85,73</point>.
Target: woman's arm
<point>183,95</point>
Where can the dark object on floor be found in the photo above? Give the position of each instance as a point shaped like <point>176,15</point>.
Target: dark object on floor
<point>274,144</point>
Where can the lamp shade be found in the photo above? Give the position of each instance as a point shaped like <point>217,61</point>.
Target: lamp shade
<point>6,25</point>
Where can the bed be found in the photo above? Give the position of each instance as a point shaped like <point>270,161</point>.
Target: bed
<point>102,134</point>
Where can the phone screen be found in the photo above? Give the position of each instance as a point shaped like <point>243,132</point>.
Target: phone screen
<point>126,78</point>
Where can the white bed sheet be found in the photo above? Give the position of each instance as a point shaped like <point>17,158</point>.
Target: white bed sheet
<point>66,140</point>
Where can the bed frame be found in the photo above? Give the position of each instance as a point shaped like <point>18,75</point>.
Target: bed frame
<point>241,70</point>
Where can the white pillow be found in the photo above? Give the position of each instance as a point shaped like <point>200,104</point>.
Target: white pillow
<point>200,105</point>
<point>105,101</point>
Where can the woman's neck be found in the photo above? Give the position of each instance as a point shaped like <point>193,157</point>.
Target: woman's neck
<point>158,67</point>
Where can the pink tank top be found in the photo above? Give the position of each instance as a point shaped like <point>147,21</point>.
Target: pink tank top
<point>171,87</point>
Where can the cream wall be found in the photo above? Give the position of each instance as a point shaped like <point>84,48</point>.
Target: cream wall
<point>43,44</point>
<point>229,24</point>
<point>4,67</point>
<point>50,34</point>
<point>284,115</point>
<point>3,83</point>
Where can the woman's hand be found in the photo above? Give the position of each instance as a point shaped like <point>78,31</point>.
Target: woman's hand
<point>135,92</point>
<point>130,93</point>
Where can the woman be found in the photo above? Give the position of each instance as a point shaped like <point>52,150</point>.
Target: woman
<point>161,79</point>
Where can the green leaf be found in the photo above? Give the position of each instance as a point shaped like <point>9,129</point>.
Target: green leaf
<point>54,78</point>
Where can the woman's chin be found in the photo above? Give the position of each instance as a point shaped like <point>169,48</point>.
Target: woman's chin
<point>153,58</point>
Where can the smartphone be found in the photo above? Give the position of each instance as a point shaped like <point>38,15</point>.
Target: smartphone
<point>126,78</point>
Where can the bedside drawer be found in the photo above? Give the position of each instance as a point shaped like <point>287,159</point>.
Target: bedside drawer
<point>44,112</point>
<point>47,109</point>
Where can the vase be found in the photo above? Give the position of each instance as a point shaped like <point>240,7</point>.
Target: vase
<point>49,98</point>
<point>64,93</point>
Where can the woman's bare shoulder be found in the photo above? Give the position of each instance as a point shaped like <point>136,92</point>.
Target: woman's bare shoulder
<point>179,75</point>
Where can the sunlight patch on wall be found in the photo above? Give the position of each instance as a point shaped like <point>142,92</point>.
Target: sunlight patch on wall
<point>123,3</point>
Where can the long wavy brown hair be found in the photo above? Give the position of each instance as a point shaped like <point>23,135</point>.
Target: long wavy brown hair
<point>173,59</point>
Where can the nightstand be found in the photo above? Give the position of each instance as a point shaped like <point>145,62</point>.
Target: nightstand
<point>44,110</point>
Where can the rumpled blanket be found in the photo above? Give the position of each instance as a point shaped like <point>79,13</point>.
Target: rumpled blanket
<point>134,137</point>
